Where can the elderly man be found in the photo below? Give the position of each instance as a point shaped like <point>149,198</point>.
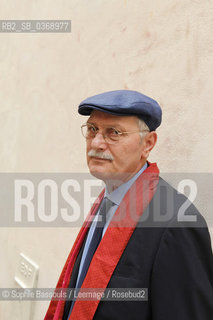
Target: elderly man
<point>134,236</point>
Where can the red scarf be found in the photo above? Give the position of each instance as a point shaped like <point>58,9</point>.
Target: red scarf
<point>110,248</point>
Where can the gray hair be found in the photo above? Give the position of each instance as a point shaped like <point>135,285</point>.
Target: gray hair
<point>142,127</point>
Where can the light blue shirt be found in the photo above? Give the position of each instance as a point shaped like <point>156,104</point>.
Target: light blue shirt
<point>116,197</point>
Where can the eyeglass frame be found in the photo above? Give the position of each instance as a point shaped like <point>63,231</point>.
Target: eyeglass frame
<point>104,135</point>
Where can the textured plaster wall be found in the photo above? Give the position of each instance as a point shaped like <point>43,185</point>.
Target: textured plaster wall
<point>161,48</point>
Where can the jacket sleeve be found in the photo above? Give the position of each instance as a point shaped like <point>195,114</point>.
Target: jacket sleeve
<point>182,277</point>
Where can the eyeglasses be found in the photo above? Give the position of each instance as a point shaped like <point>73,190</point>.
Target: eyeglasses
<point>111,135</point>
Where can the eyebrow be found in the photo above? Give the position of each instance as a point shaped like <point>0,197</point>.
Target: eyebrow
<point>115,126</point>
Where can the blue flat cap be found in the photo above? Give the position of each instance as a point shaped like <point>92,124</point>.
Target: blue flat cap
<point>124,103</point>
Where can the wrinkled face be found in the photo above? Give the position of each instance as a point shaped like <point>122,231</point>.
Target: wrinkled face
<point>127,153</point>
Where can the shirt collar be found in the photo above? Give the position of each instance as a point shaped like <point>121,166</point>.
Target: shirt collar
<point>117,195</point>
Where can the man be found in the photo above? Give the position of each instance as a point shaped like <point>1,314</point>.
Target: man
<point>144,241</point>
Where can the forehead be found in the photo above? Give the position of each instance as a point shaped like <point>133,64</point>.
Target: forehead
<point>104,118</point>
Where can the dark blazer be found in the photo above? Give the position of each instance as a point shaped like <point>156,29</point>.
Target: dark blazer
<point>172,259</point>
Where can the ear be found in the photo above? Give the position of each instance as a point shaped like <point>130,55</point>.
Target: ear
<point>148,142</point>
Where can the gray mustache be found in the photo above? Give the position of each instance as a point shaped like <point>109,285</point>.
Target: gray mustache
<point>101,155</point>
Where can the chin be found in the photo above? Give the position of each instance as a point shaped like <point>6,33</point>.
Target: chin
<point>99,174</point>
<point>99,170</point>
<point>106,176</point>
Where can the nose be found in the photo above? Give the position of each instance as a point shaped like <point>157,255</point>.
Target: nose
<point>98,142</point>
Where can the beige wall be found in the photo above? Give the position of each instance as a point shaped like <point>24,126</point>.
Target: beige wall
<point>161,48</point>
